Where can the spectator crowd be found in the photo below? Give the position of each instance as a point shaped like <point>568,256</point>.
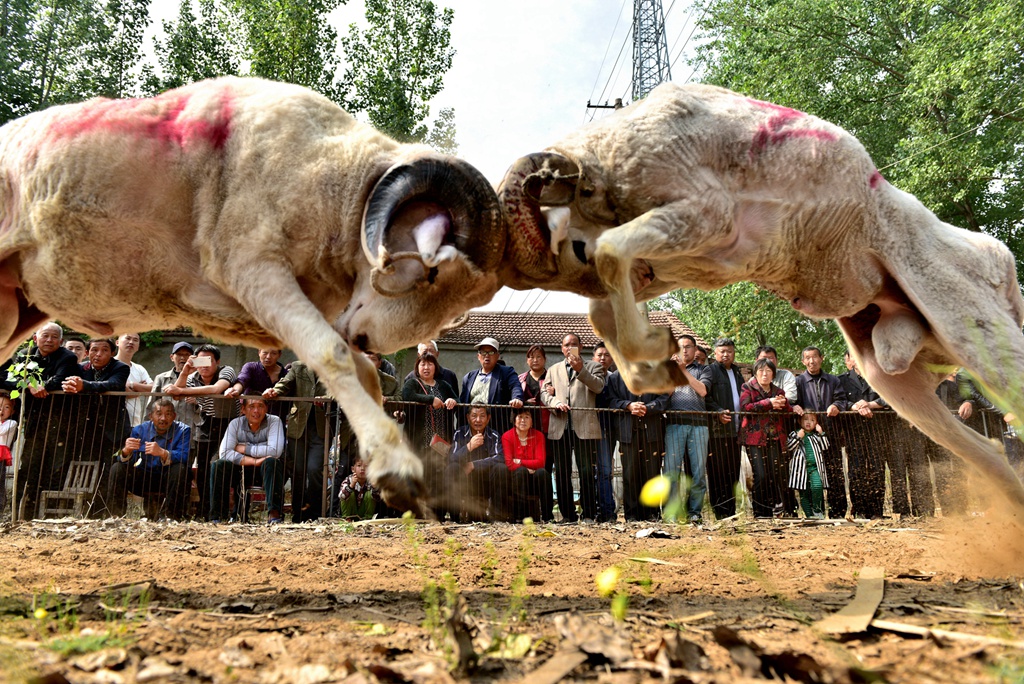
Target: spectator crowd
<point>197,440</point>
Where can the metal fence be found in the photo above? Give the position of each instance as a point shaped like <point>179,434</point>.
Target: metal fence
<point>69,460</point>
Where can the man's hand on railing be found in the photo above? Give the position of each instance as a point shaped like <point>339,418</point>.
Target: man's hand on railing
<point>73,385</point>
<point>966,410</point>
<point>725,417</point>
<point>638,408</point>
<point>270,393</point>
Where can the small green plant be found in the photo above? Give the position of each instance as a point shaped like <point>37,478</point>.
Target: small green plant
<point>152,338</point>
<point>517,601</point>
<point>489,571</point>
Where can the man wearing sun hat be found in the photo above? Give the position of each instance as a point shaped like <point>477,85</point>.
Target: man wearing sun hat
<point>493,384</point>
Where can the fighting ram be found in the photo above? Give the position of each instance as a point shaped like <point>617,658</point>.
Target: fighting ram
<point>256,212</point>
<point>698,187</point>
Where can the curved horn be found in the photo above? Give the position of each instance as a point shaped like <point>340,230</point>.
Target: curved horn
<point>533,181</point>
<point>476,228</point>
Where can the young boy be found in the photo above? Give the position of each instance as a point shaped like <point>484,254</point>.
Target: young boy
<point>357,495</point>
<point>806,469</point>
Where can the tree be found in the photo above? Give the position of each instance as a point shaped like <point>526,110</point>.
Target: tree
<point>195,48</point>
<point>934,91</point>
<point>442,135</point>
<point>112,52</point>
<point>753,317</point>
<point>16,86</point>
<point>398,64</point>
<point>291,41</point>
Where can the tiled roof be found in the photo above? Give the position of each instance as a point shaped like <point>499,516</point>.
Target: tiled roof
<point>547,329</point>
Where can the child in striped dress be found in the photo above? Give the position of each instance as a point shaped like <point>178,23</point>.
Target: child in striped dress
<point>806,468</point>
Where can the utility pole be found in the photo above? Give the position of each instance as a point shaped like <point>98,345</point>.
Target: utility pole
<point>650,48</point>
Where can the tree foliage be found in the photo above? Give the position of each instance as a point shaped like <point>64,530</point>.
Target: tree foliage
<point>933,91</point>
<point>195,47</point>
<point>442,136</point>
<point>56,51</point>
<point>291,41</point>
<point>397,65</point>
<point>753,317</point>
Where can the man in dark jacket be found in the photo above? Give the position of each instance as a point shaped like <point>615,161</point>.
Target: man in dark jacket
<point>641,442</point>
<point>822,393</point>
<point>101,420</point>
<point>723,446</point>
<point>865,451</point>
<point>493,384</point>
<point>959,395</point>
<point>42,463</point>
<point>476,468</point>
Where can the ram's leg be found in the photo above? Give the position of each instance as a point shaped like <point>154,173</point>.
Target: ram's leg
<point>912,394</point>
<point>271,295</point>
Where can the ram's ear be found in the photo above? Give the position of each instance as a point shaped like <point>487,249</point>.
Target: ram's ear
<point>553,181</point>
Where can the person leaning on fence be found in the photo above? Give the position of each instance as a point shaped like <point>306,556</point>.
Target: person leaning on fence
<point>186,410</point>
<point>686,433</point>
<point>606,506</point>
<point>641,442</point>
<point>493,384</point>
<point>807,466</point>
<point>8,433</point>
<point>100,420</point>
<point>154,460</point>
<point>42,463</point>
<point>203,379</point>
<point>763,433</point>
<point>865,453</point>
<point>138,377</point>
<point>526,457</point>
<point>429,425</point>
<point>253,440</point>
<point>256,377</point>
<point>571,392</point>
<point>477,473</point>
<point>307,427</point>
<point>723,447</point>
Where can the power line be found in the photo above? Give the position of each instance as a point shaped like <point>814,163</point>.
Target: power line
<point>607,48</point>
<point>951,139</point>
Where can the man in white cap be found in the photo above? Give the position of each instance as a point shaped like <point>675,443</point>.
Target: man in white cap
<point>493,384</point>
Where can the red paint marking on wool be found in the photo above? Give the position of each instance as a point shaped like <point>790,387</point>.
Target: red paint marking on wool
<point>876,179</point>
<point>775,130</point>
<point>161,119</point>
<point>788,112</point>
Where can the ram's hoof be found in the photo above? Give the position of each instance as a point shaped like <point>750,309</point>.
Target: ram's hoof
<point>404,494</point>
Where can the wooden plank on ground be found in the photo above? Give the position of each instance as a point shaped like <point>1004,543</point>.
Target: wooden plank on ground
<point>557,667</point>
<point>857,615</point>
<point>916,630</point>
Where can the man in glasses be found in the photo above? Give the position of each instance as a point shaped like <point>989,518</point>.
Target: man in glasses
<point>493,384</point>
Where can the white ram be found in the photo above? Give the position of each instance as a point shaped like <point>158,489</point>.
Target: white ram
<point>256,212</point>
<point>699,187</point>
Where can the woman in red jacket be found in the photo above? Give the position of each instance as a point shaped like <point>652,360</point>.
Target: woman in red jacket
<point>525,454</point>
<point>764,434</point>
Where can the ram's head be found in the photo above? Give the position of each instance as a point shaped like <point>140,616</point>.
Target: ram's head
<point>554,215</point>
<point>434,237</point>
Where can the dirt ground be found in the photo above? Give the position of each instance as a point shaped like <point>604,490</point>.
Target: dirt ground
<point>132,601</point>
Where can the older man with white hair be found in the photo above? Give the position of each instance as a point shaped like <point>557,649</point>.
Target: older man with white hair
<point>42,463</point>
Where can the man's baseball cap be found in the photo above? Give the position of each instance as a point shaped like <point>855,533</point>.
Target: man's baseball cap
<point>182,345</point>
<point>488,342</point>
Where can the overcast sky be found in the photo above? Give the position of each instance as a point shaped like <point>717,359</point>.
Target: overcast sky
<point>521,78</point>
